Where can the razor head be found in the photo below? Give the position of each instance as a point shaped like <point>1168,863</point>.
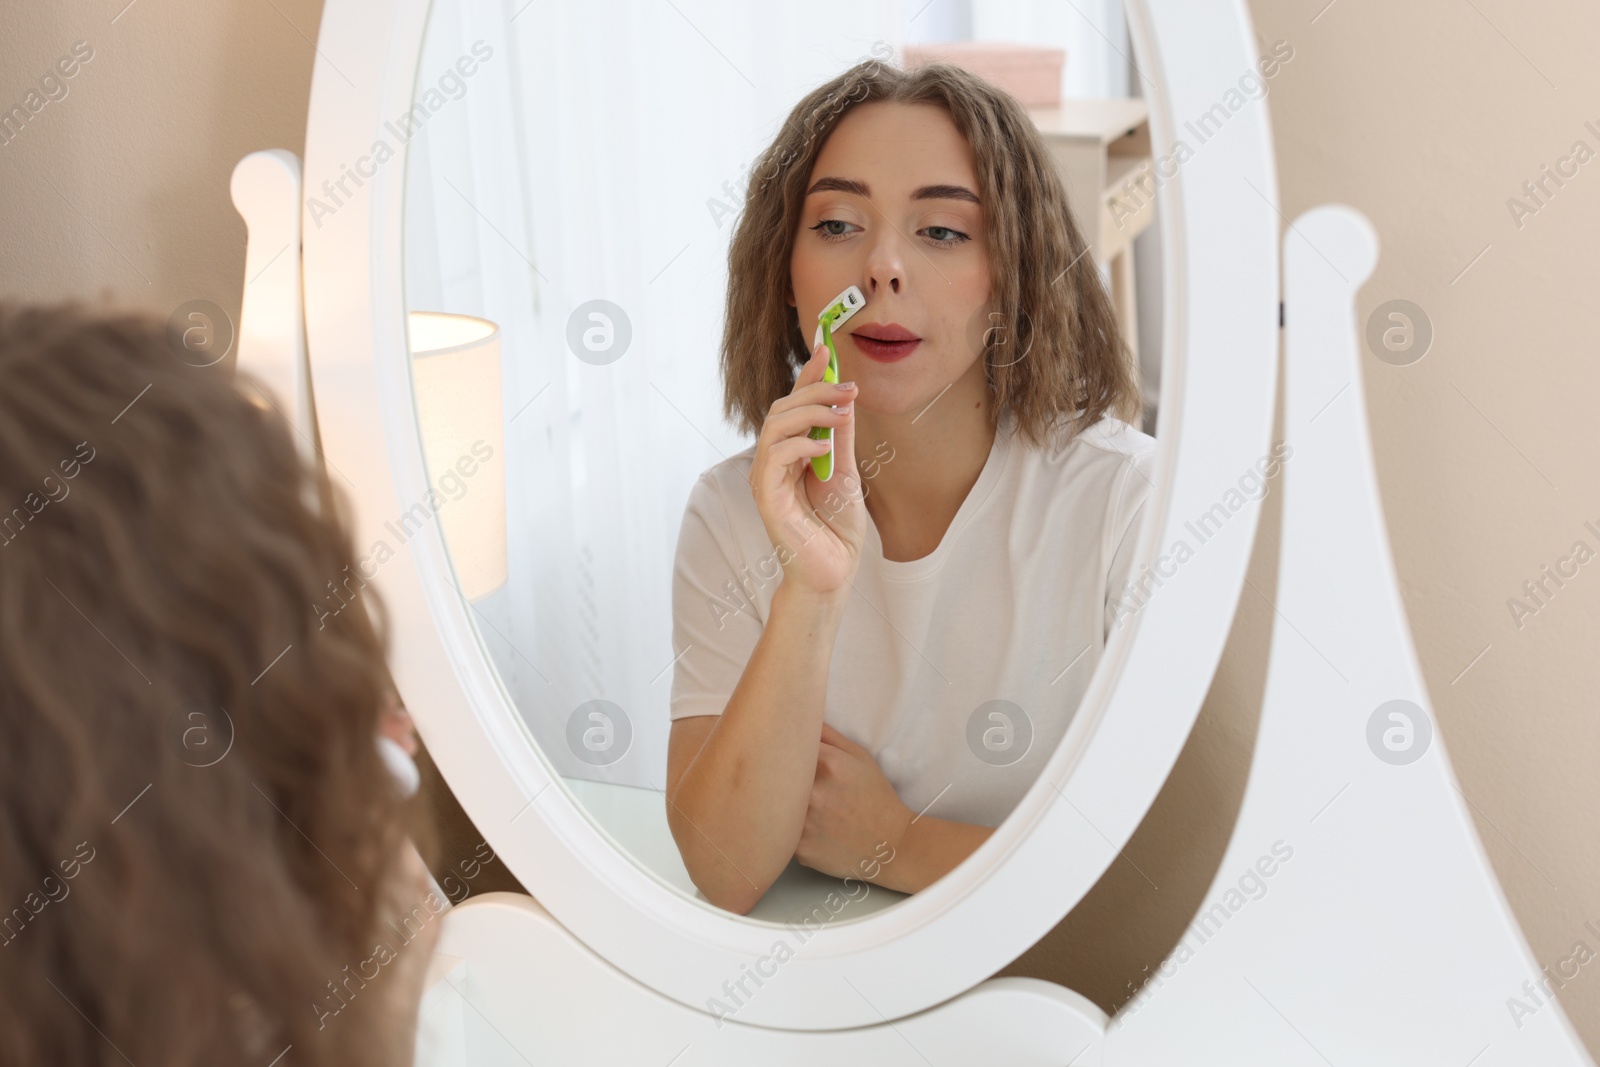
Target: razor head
<point>843,306</point>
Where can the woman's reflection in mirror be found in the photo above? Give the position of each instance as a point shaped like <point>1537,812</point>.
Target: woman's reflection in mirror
<point>903,681</point>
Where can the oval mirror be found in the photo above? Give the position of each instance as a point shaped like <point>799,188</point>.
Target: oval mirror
<point>592,279</point>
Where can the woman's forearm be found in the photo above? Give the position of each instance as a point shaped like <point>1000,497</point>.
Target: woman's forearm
<point>927,850</point>
<point>741,804</point>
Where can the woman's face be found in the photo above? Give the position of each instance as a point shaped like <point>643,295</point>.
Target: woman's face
<point>892,207</point>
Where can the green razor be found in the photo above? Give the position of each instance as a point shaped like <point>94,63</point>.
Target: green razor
<point>843,306</point>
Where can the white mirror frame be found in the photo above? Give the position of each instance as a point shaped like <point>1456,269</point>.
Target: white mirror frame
<point>1221,298</point>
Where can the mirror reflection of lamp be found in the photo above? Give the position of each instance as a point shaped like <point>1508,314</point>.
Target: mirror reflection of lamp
<point>455,370</point>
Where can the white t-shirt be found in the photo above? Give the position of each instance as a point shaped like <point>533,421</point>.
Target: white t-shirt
<point>1014,606</point>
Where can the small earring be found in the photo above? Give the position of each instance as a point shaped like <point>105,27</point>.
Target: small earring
<point>400,764</point>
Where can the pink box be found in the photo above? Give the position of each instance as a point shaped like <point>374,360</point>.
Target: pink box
<point>1028,72</point>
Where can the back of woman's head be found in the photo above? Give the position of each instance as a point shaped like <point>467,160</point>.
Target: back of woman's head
<point>198,835</point>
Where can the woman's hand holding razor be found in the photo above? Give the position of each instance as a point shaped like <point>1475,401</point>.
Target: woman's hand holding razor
<point>817,527</point>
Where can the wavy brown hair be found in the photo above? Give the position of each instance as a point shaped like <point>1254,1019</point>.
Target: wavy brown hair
<point>198,833</point>
<point>1045,290</point>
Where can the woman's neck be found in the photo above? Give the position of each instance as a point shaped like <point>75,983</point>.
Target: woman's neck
<point>918,467</point>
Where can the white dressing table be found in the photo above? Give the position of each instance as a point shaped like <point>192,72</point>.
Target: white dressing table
<point>1385,939</point>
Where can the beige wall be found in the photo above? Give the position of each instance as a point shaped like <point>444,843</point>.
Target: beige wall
<point>1425,115</point>
<point>120,187</point>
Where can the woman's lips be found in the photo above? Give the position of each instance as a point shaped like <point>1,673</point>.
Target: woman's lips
<point>884,351</point>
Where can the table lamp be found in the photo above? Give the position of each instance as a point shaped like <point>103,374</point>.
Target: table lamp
<point>455,369</point>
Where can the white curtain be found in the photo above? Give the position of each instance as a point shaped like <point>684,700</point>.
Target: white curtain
<point>599,153</point>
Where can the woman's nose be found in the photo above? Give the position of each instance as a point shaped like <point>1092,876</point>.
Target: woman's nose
<point>885,264</point>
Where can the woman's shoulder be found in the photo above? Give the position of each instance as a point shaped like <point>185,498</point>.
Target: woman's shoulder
<point>726,477</point>
<point>720,497</point>
<point>1106,467</point>
<point>1116,437</point>
<point>1107,442</point>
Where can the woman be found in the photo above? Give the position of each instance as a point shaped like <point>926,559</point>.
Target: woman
<point>876,668</point>
<point>202,848</point>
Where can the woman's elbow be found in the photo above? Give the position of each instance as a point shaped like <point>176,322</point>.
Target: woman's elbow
<point>712,873</point>
<point>729,898</point>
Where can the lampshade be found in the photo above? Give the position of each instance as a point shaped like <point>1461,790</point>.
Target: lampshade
<point>455,369</point>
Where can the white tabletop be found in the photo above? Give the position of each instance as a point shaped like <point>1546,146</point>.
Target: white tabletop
<point>636,821</point>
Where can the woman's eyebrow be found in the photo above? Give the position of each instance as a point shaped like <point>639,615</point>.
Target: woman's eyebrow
<point>926,192</point>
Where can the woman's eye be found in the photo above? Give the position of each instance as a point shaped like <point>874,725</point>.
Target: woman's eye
<point>830,235</point>
<point>945,241</point>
